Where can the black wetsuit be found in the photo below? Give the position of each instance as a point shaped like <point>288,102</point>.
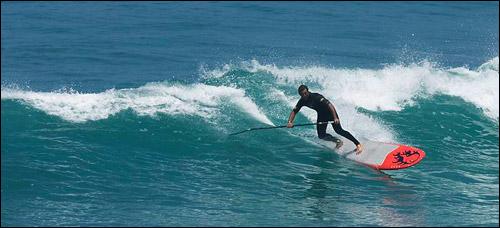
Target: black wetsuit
<point>319,103</point>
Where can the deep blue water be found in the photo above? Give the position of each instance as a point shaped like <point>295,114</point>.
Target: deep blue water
<point>118,113</point>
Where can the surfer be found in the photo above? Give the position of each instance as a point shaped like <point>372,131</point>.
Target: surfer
<point>326,112</point>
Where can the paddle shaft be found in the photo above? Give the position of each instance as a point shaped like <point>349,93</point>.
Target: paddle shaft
<point>264,128</point>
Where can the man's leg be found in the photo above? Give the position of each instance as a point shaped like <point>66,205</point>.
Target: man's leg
<point>321,129</point>
<point>338,129</point>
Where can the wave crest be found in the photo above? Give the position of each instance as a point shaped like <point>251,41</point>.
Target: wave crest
<point>391,88</point>
<point>150,99</point>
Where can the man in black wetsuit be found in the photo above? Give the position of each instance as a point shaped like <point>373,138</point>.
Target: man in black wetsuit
<point>326,112</point>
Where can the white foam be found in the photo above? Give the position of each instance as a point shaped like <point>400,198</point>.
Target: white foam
<point>396,86</point>
<point>215,73</point>
<point>492,64</point>
<point>478,87</point>
<point>150,99</point>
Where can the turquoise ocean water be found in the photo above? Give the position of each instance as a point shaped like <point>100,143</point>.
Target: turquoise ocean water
<point>118,113</point>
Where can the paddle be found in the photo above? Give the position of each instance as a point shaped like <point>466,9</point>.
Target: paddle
<point>263,128</point>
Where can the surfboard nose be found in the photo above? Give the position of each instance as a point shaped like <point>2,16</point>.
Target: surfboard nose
<point>402,157</point>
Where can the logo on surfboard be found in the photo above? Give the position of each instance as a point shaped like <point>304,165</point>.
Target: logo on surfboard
<point>402,157</point>
<point>406,157</point>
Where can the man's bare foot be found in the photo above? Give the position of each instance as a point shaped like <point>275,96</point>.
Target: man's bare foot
<point>339,143</point>
<point>359,148</point>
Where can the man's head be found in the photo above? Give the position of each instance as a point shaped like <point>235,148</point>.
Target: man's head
<point>303,91</point>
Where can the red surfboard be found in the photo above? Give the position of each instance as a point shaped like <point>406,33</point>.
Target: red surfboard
<point>380,155</point>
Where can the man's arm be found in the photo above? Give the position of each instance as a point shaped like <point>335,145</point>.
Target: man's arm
<point>334,112</point>
<point>332,109</point>
<point>295,110</point>
<point>290,119</point>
